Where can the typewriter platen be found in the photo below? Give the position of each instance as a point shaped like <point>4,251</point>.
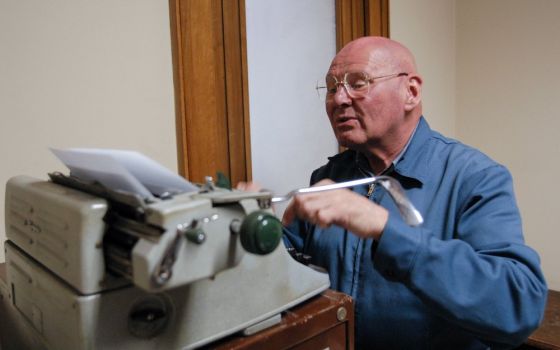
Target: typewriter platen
<point>93,268</point>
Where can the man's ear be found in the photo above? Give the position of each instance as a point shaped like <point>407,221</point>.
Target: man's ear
<point>413,92</point>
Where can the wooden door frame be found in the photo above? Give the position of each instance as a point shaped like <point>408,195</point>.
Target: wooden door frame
<point>197,156</point>
<point>229,148</point>
<point>357,18</point>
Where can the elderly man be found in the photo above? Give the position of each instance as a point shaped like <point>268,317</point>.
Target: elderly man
<point>464,279</point>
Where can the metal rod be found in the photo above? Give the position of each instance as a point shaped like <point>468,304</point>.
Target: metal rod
<point>411,216</point>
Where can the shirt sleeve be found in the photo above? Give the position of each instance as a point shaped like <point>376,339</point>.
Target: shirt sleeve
<point>294,235</point>
<point>485,280</point>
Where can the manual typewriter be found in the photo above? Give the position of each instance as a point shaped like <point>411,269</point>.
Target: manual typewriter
<point>90,267</point>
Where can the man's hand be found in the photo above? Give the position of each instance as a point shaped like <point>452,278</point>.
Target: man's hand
<point>248,186</point>
<point>341,207</point>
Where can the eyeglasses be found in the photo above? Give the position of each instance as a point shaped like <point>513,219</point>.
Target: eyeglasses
<point>356,84</point>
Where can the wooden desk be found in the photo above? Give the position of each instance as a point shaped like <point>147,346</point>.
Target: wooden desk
<point>324,322</point>
<point>547,336</point>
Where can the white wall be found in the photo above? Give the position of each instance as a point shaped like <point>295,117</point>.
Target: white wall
<point>83,74</point>
<point>508,70</point>
<point>493,67</point>
<point>290,45</point>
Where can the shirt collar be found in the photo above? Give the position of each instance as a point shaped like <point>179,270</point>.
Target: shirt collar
<point>413,163</point>
<point>409,162</point>
<point>405,148</point>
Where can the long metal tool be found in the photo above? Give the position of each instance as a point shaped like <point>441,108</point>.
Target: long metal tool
<point>410,214</point>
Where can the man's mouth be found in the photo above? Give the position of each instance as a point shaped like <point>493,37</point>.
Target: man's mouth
<point>345,121</point>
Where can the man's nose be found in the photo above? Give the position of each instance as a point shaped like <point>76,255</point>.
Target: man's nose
<point>341,96</point>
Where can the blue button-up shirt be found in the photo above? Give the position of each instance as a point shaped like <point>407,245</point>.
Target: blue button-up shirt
<point>464,279</point>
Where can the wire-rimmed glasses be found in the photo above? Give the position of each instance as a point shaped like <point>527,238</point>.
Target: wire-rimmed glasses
<point>356,84</point>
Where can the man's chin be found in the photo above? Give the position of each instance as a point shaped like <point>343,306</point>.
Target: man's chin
<point>347,143</point>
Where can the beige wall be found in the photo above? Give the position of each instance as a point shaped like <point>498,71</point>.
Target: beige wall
<point>503,56</point>
<point>83,74</point>
<point>508,70</point>
<point>427,28</point>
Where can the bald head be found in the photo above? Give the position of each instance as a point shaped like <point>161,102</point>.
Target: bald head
<point>384,55</point>
<point>379,120</point>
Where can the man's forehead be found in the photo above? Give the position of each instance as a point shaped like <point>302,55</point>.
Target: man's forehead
<point>337,68</point>
<point>374,61</point>
<point>359,59</point>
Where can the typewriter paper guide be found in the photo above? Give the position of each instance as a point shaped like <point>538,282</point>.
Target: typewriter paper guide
<point>127,171</point>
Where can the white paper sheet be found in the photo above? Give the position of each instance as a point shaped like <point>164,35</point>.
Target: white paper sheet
<point>122,170</point>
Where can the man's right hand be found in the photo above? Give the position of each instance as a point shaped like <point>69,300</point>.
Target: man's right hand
<point>339,207</point>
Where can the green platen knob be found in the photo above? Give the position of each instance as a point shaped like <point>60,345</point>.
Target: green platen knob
<point>195,235</point>
<point>260,232</point>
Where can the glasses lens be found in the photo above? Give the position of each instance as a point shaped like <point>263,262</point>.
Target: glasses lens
<point>331,84</point>
<point>358,84</point>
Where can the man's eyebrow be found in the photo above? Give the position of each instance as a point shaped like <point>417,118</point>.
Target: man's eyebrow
<point>330,73</point>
